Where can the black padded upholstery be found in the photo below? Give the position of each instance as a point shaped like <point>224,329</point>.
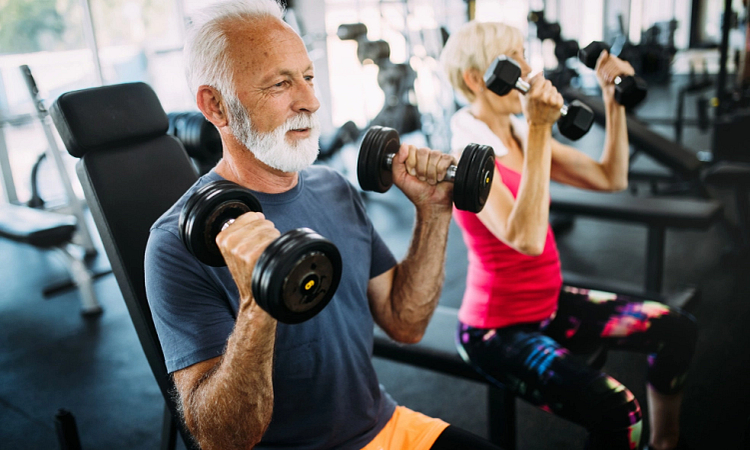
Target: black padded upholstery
<point>109,116</point>
<point>436,350</point>
<point>130,176</point>
<point>652,211</point>
<point>36,227</point>
<point>728,175</point>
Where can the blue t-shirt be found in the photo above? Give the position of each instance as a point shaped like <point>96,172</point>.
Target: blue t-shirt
<point>326,390</point>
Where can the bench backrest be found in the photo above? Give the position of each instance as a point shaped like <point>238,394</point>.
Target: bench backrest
<point>131,173</point>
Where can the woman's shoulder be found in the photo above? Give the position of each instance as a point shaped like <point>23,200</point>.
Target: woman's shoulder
<point>467,129</point>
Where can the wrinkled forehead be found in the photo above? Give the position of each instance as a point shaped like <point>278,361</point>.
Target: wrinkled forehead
<point>259,43</point>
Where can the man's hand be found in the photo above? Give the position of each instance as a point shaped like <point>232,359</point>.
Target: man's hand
<point>241,244</point>
<point>608,68</point>
<point>418,172</point>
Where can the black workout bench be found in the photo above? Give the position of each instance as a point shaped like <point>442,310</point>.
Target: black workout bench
<point>51,231</point>
<point>656,213</point>
<point>437,352</point>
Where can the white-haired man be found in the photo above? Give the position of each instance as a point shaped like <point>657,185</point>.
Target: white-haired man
<point>243,379</point>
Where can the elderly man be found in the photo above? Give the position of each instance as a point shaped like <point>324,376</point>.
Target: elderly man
<point>243,379</point>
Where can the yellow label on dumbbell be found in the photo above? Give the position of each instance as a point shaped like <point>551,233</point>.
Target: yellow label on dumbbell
<point>309,285</point>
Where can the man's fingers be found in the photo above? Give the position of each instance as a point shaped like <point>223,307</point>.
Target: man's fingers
<point>427,165</point>
<point>442,165</point>
<point>411,159</point>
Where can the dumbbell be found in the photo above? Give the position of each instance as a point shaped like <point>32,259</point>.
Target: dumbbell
<point>472,177</point>
<point>295,276</point>
<point>504,75</point>
<point>629,90</point>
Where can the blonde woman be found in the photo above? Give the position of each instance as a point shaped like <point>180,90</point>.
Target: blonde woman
<point>518,322</point>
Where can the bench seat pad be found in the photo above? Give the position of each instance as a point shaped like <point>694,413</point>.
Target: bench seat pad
<point>36,227</point>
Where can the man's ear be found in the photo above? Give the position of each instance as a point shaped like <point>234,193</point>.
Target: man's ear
<point>212,105</point>
<point>474,80</point>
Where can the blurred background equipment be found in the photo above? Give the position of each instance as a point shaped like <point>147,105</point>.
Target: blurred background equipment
<point>395,80</point>
<point>199,137</point>
<point>377,63</point>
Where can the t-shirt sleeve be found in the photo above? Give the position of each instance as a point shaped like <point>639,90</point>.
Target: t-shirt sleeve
<point>382,258</point>
<point>192,316</point>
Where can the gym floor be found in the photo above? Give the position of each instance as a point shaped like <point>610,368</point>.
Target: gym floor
<point>53,358</point>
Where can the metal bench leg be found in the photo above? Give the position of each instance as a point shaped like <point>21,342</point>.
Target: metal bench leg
<point>655,258</point>
<point>743,215</point>
<point>82,278</point>
<point>168,431</point>
<point>501,420</point>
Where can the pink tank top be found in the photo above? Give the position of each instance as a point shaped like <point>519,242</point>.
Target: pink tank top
<point>503,286</point>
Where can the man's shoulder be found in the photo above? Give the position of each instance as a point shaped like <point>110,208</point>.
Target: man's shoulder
<point>169,221</point>
<point>320,175</point>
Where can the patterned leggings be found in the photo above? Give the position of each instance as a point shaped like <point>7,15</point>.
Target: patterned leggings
<point>536,362</point>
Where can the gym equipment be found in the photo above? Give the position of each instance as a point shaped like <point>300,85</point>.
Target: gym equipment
<point>131,172</point>
<point>395,80</point>
<point>629,90</point>
<point>67,431</point>
<point>565,49</point>
<point>330,145</point>
<point>47,230</point>
<point>53,153</point>
<point>472,176</point>
<point>199,137</point>
<point>376,51</point>
<point>295,276</point>
<point>504,74</point>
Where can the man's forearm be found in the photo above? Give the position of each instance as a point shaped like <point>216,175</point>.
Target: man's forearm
<point>230,406</point>
<point>418,279</point>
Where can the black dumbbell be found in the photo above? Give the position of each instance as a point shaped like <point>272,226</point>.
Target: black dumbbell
<point>629,90</point>
<point>296,275</point>
<point>504,75</point>
<point>472,177</point>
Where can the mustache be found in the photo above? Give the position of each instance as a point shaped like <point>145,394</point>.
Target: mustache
<point>300,121</point>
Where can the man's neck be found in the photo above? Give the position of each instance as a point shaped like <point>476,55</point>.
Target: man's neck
<point>242,167</point>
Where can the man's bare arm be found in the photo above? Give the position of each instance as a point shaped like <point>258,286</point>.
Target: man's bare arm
<point>403,299</point>
<point>227,401</point>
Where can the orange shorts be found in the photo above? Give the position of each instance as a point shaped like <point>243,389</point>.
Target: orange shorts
<point>407,429</point>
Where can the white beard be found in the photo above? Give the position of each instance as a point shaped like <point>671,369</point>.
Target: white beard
<point>272,148</point>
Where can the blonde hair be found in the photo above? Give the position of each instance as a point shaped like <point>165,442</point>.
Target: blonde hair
<point>474,46</point>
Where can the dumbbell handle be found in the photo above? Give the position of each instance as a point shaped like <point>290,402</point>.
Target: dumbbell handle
<point>524,87</point>
<point>450,174</point>
<point>226,224</point>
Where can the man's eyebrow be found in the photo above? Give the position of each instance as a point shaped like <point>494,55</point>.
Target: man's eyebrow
<point>286,73</point>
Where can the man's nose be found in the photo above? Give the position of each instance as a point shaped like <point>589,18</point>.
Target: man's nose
<point>305,99</point>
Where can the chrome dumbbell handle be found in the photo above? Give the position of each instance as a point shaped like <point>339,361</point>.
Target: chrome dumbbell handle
<point>226,224</point>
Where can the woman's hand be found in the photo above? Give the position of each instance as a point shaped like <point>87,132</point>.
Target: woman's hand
<point>542,103</point>
<point>608,68</point>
